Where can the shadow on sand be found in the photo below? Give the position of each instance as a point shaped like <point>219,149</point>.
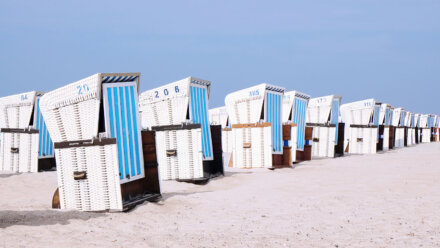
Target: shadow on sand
<point>43,217</point>
<point>9,175</point>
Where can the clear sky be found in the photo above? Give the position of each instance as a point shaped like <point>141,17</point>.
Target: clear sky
<point>388,50</point>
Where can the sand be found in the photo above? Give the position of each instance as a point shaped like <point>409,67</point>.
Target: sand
<point>383,200</point>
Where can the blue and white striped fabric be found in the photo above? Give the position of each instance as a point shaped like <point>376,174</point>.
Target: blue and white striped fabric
<point>116,79</point>
<point>430,121</point>
<point>387,116</point>
<point>45,142</point>
<point>299,117</point>
<point>402,119</point>
<point>391,117</point>
<point>199,114</point>
<point>376,115</point>
<point>273,115</point>
<point>334,119</point>
<point>123,124</point>
<point>376,119</point>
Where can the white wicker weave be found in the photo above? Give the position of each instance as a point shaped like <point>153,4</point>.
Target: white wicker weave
<point>101,190</point>
<point>259,154</point>
<point>399,137</point>
<point>363,140</point>
<point>325,144</point>
<point>426,135</point>
<point>188,163</point>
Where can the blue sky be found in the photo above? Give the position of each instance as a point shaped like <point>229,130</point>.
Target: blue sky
<point>389,50</point>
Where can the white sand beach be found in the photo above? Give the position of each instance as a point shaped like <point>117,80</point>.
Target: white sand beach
<point>390,199</point>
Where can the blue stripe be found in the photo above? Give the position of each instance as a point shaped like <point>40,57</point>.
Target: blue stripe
<point>46,144</point>
<point>273,113</point>
<point>387,113</point>
<point>279,124</point>
<point>118,133</point>
<point>199,110</point>
<point>124,130</point>
<point>299,119</point>
<point>206,122</point>
<point>402,117</point>
<point>38,126</point>
<point>199,105</point>
<point>199,113</point>
<point>130,130</point>
<point>44,137</point>
<point>135,128</point>
<point>335,118</point>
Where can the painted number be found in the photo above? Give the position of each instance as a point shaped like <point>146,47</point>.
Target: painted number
<point>254,93</point>
<point>82,89</point>
<point>166,92</point>
<point>321,100</point>
<point>24,97</point>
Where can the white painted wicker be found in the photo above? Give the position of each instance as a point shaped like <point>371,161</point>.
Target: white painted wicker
<point>323,141</point>
<point>363,140</point>
<point>399,137</point>
<point>101,189</point>
<point>252,147</point>
<point>187,162</point>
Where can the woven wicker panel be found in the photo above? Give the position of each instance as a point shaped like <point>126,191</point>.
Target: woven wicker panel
<point>293,142</point>
<point>386,138</point>
<point>161,156</point>
<point>101,188</point>
<point>257,151</point>
<point>16,110</point>
<point>7,157</point>
<point>218,116</point>
<point>28,152</point>
<point>426,135</point>
<point>323,144</point>
<point>72,112</point>
<point>267,136</point>
<point>358,113</point>
<point>244,106</point>
<point>318,109</point>
<point>363,140</point>
<point>399,137</point>
<point>187,163</point>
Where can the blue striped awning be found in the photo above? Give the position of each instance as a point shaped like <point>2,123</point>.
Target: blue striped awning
<point>116,79</point>
<point>274,88</point>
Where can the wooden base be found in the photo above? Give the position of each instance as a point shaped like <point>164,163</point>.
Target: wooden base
<point>305,155</point>
<point>147,188</point>
<point>46,164</point>
<point>391,137</point>
<point>214,168</point>
<point>339,148</point>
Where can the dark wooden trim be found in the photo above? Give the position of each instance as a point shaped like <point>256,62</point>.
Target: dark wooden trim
<point>320,125</point>
<point>183,126</point>
<point>19,130</point>
<point>363,126</point>
<point>83,143</point>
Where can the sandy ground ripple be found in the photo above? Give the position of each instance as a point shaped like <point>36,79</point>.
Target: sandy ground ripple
<point>384,200</point>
